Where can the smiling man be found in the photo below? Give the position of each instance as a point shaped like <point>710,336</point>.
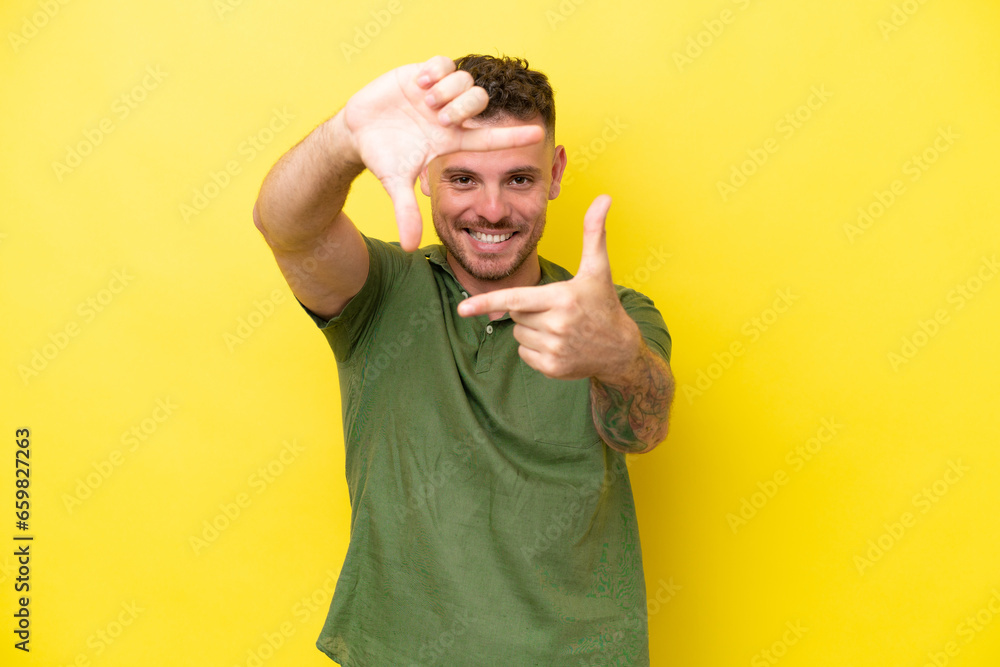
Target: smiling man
<point>488,396</point>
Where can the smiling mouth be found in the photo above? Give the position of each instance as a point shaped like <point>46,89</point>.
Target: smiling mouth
<point>489,238</point>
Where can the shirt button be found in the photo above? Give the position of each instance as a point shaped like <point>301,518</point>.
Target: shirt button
<point>489,328</point>
<point>465,294</point>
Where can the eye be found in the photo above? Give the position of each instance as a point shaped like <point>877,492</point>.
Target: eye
<point>462,180</point>
<point>521,180</point>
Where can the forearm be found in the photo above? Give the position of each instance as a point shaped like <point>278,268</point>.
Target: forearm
<point>304,192</point>
<point>632,408</point>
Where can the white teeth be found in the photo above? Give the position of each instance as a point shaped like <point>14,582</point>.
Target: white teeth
<point>491,238</point>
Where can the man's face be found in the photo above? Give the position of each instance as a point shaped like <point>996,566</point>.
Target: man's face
<point>489,207</point>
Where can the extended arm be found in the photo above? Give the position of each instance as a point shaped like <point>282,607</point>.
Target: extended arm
<point>299,212</point>
<point>394,127</point>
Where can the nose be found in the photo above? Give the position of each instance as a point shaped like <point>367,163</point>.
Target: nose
<point>491,205</point>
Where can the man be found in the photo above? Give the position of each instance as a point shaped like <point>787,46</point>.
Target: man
<point>489,396</point>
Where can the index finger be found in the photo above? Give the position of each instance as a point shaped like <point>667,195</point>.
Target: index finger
<point>433,70</point>
<point>496,138</point>
<point>408,219</point>
<point>513,299</point>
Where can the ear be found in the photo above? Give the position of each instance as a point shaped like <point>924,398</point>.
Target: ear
<point>424,183</point>
<point>558,169</point>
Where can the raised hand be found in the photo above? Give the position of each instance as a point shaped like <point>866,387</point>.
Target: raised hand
<point>405,118</point>
<point>575,328</point>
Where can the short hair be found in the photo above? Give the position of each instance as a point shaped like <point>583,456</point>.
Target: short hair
<point>513,89</point>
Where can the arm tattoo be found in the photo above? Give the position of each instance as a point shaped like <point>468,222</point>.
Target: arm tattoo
<point>632,416</point>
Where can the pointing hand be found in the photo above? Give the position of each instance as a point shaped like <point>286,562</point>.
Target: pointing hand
<point>575,328</point>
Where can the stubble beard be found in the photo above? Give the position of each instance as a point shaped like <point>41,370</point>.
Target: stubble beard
<point>449,234</point>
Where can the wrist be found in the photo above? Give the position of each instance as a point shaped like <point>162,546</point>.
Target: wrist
<point>339,143</point>
<point>620,369</point>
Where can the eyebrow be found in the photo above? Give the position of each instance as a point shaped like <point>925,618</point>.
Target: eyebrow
<point>449,172</point>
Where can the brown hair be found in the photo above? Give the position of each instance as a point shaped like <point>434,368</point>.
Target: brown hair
<point>513,89</point>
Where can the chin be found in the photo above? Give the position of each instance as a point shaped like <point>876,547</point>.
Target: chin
<point>485,262</point>
<point>492,274</point>
<point>479,269</point>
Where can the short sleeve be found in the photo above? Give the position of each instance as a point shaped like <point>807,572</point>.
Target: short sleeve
<point>355,323</point>
<point>654,330</point>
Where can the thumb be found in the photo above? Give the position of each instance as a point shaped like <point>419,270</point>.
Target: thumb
<point>594,259</point>
<point>404,203</point>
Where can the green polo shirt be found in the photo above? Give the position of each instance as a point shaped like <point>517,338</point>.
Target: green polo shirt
<point>490,525</point>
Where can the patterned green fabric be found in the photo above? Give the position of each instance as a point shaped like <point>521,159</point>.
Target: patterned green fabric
<point>490,525</point>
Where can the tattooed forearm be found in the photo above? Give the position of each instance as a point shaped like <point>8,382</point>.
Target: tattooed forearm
<point>632,415</point>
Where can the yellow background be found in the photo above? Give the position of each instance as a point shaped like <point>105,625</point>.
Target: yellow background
<point>662,132</point>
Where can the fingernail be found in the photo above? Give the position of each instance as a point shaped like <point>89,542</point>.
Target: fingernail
<point>444,118</point>
<point>423,80</point>
<point>429,100</point>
